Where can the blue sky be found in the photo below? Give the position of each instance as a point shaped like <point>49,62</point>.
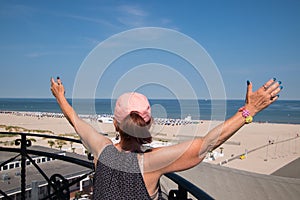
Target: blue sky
<point>247,40</point>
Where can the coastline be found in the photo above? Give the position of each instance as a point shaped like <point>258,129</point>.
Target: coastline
<point>266,147</point>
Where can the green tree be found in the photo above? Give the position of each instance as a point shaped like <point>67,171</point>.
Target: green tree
<point>60,143</point>
<point>51,143</point>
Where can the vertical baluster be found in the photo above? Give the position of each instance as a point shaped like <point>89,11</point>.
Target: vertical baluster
<point>182,193</point>
<point>24,144</point>
<point>23,166</point>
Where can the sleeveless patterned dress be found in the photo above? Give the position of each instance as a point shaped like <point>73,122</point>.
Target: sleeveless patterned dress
<point>118,176</point>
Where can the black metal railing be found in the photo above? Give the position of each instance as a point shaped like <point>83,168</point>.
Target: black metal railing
<point>58,186</point>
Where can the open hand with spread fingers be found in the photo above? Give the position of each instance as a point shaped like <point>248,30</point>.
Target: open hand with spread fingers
<point>263,97</point>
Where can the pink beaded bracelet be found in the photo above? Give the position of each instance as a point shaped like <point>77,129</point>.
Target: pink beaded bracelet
<point>246,114</point>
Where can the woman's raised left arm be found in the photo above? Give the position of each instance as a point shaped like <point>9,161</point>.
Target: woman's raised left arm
<point>188,154</point>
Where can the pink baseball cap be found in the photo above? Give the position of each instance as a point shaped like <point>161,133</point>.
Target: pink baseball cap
<point>129,102</point>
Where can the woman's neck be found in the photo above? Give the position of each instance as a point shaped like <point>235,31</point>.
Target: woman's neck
<point>130,145</point>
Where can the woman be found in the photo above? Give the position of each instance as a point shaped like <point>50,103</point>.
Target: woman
<point>124,171</point>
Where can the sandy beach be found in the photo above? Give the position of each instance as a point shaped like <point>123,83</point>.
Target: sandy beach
<point>257,147</point>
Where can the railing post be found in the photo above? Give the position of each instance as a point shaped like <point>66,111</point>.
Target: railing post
<point>24,144</point>
<point>182,193</point>
<point>23,167</point>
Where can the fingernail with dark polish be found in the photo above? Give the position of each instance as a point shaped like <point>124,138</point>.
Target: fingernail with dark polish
<point>279,82</point>
<point>278,95</point>
<point>281,87</point>
<point>58,77</point>
<point>248,82</point>
<point>274,79</point>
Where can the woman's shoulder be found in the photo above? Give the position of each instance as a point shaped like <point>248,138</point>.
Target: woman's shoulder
<point>108,148</point>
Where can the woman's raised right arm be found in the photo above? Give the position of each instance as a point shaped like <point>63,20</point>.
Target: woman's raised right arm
<point>91,139</point>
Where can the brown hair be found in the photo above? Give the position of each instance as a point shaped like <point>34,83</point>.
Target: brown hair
<point>134,128</point>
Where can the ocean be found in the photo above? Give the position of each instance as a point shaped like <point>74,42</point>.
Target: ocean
<point>282,111</point>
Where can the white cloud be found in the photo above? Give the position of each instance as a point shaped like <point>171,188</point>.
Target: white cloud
<point>133,10</point>
<point>90,19</point>
<point>134,16</point>
<point>131,16</point>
